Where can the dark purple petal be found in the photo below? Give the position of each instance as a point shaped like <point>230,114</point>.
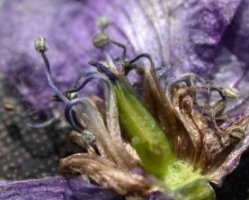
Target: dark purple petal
<point>54,189</point>
<point>229,71</point>
<point>198,30</point>
<point>232,62</point>
<point>236,37</point>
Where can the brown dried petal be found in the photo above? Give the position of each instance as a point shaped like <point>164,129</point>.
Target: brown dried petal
<point>112,123</point>
<point>88,114</point>
<point>160,107</point>
<point>232,160</point>
<point>77,138</point>
<point>106,174</point>
<point>207,141</point>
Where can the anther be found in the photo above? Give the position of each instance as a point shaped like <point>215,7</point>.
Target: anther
<point>41,44</point>
<point>101,40</point>
<point>236,133</point>
<point>103,69</point>
<point>230,92</point>
<point>102,22</point>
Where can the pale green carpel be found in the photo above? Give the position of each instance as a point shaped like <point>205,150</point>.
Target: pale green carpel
<point>147,137</point>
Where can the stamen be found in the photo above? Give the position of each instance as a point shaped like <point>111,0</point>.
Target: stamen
<point>41,47</point>
<point>189,79</point>
<point>102,22</point>
<point>123,55</point>
<point>80,76</point>
<point>85,82</point>
<point>236,133</point>
<point>41,44</point>
<point>44,119</point>
<point>230,92</point>
<point>41,125</point>
<point>73,93</point>
<point>70,115</point>
<point>143,55</point>
<point>109,61</point>
<point>129,65</point>
<point>100,40</point>
<point>103,69</point>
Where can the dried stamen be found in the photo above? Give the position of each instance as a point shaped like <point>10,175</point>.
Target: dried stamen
<point>189,79</point>
<point>236,133</point>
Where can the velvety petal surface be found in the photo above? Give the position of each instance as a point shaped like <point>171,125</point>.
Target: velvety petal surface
<point>69,40</point>
<point>180,34</point>
<point>54,189</point>
<point>232,61</point>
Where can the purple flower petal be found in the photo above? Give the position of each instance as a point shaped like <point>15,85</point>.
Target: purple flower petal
<point>69,40</point>
<point>53,189</point>
<point>233,58</point>
<point>198,30</point>
<point>182,35</point>
<point>236,37</point>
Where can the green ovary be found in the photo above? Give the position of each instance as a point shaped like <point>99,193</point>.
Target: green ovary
<point>144,132</point>
<point>153,148</point>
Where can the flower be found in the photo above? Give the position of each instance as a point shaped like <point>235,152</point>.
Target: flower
<point>197,49</point>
